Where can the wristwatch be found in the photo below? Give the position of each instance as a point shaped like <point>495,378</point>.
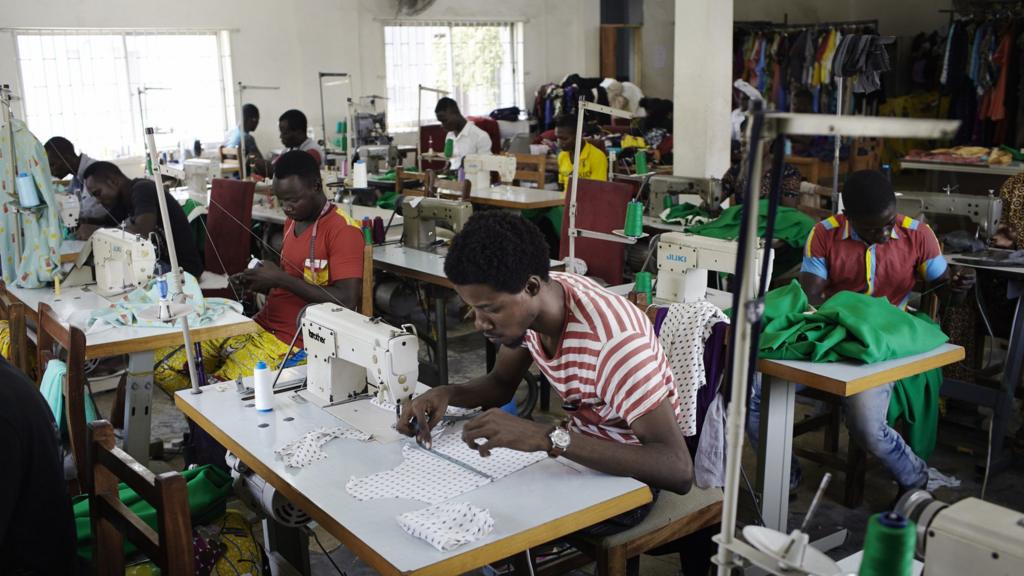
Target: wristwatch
<point>559,441</point>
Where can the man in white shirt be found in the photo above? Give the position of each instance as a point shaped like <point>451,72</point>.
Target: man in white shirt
<point>467,137</point>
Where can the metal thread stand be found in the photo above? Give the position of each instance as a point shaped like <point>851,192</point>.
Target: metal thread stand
<point>732,551</point>
<point>175,291</point>
<point>838,144</point>
<point>573,230</point>
<point>419,119</point>
<point>323,114</point>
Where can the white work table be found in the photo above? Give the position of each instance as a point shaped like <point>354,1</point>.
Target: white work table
<point>74,307</point>
<point>1010,169</point>
<point>513,197</point>
<point>534,505</point>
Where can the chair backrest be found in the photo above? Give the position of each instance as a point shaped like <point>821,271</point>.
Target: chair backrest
<point>366,306</point>
<point>403,178</point>
<point>228,153</point>
<point>13,312</point>
<point>51,334</point>
<point>600,207</point>
<point>432,136</point>
<point>491,127</point>
<point>170,545</point>
<point>531,168</point>
<point>437,185</point>
<point>228,226</point>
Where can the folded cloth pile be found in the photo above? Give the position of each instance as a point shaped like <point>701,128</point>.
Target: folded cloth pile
<point>448,525</point>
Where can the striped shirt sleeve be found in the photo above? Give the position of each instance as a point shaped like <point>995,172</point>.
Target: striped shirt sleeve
<point>632,376</point>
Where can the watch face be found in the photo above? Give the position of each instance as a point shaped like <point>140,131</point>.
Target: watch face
<point>560,438</point>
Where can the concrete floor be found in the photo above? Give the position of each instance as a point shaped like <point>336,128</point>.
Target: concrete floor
<point>959,447</point>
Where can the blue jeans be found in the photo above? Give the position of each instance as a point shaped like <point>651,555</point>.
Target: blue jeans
<point>865,419</point>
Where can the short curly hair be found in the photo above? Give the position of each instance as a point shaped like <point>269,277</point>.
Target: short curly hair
<point>497,249</point>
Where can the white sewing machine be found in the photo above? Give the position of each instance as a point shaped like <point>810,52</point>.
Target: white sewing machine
<point>70,209</point>
<point>684,261</point>
<point>122,260</point>
<point>478,168</point>
<point>667,191</point>
<point>969,537</point>
<point>346,351</point>
<point>197,175</point>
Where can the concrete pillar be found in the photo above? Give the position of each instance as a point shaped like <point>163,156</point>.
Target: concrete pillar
<point>702,91</point>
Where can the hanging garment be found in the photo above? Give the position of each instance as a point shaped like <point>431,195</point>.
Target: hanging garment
<point>39,257</point>
<point>449,525</point>
<point>682,336</point>
<point>52,388</point>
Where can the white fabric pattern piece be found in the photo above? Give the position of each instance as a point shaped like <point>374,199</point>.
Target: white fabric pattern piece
<point>448,526</point>
<point>451,412</point>
<point>307,450</point>
<point>421,476</point>
<point>683,333</point>
<point>501,462</point>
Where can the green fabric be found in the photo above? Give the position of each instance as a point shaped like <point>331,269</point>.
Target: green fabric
<point>916,400</point>
<point>852,326</point>
<point>683,211</point>
<point>848,326</point>
<point>388,200</point>
<point>52,389</point>
<point>553,215</point>
<point>390,175</point>
<point>791,225</point>
<point>208,491</point>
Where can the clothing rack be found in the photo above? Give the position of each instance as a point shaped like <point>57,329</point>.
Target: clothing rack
<point>764,25</point>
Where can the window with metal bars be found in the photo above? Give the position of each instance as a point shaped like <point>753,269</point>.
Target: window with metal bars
<point>478,63</point>
<point>101,88</point>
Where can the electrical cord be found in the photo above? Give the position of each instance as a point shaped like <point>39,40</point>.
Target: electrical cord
<point>329,559</point>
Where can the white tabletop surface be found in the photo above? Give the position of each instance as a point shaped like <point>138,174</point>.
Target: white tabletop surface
<point>75,305</point>
<point>536,495</point>
<point>997,170</point>
<point>398,256</point>
<point>505,194</point>
<point>852,371</point>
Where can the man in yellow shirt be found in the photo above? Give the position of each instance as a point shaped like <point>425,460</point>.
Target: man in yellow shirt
<point>593,162</point>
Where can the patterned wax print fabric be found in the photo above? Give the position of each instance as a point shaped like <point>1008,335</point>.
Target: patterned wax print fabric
<point>39,256</point>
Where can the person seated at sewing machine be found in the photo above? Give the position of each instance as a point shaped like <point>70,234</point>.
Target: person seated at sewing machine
<point>136,205</point>
<point>623,415</point>
<point>321,261</point>
<point>60,153</point>
<point>871,249</point>
<point>732,180</point>
<point>964,324</point>
<point>292,126</point>
<point>593,162</point>
<point>467,138</point>
<point>250,121</point>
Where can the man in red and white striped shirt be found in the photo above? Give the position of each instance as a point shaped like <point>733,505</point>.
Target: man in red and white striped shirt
<point>598,351</point>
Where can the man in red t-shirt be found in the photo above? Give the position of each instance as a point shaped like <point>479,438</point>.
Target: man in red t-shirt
<point>598,350</point>
<point>321,261</point>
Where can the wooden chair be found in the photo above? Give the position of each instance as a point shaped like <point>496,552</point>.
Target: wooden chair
<point>366,305</point>
<point>230,161</point>
<point>50,335</point>
<point>531,168</point>
<point>403,179</point>
<point>170,545</point>
<point>440,187</point>
<point>672,517</point>
<point>13,312</point>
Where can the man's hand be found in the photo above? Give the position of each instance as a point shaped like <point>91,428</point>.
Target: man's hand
<point>261,279</point>
<point>1003,238</point>
<point>961,279</point>
<point>499,429</point>
<point>84,231</point>
<point>422,413</point>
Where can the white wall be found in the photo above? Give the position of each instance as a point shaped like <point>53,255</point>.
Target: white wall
<point>658,37</point>
<point>287,43</point>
